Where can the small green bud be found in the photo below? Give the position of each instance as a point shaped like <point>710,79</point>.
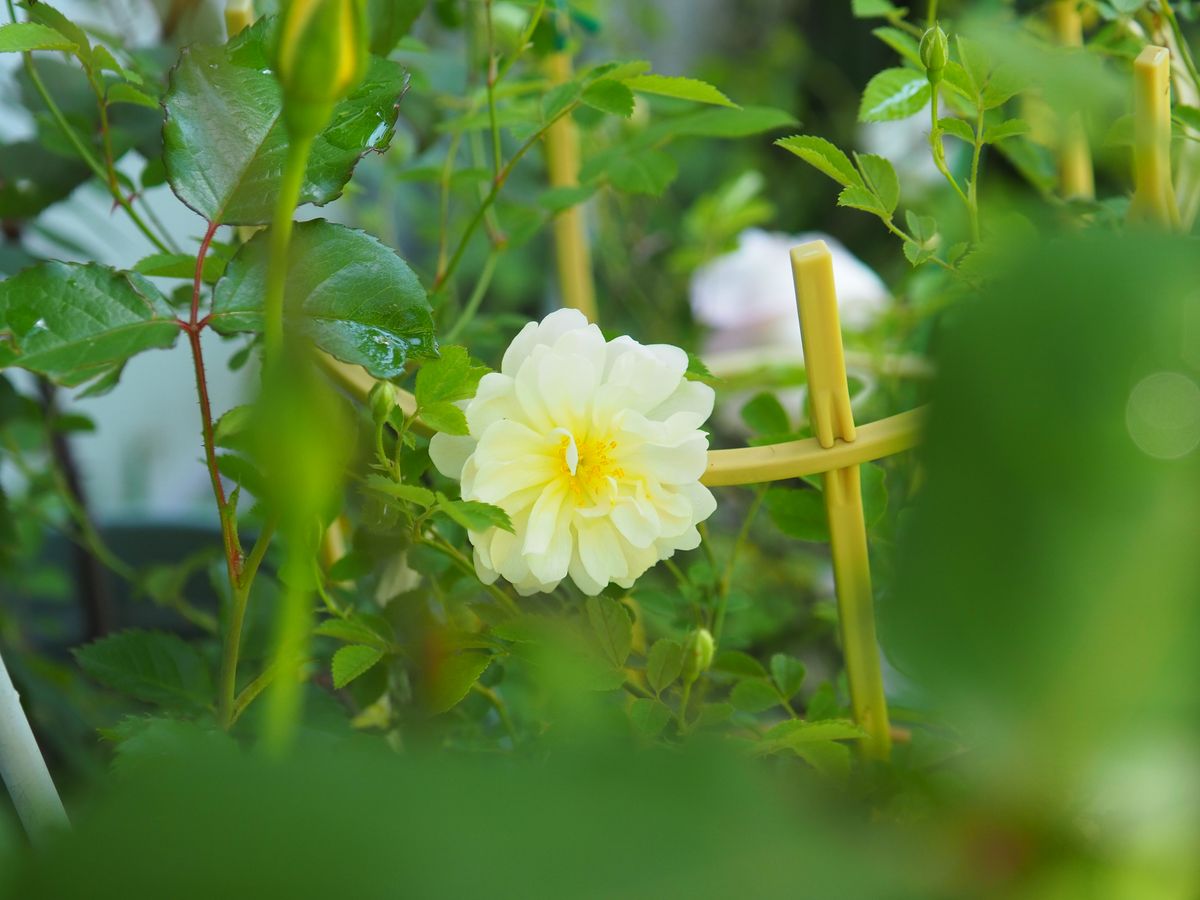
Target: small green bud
<point>935,53</point>
<point>697,655</point>
<point>382,401</point>
<point>320,57</point>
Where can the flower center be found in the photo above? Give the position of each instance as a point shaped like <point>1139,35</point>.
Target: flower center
<point>587,464</point>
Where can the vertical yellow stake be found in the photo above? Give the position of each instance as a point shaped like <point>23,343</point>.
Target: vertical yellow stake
<point>832,419</point>
<point>1075,176</point>
<point>570,232</point>
<point>1153,194</point>
<point>239,15</point>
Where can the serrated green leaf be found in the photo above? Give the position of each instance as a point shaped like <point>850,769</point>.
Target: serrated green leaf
<point>475,516</point>
<point>446,418</point>
<point>180,265</point>
<point>22,37</point>
<point>679,88</point>
<point>735,122</point>
<point>350,631</point>
<point>858,197</point>
<point>450,377</point>
<point>44,14</point>
<point>233,428</point>
<point>904,44</point>
<point>824,157</point>
<point>754,695</point>
<point>127,93</point>
<point>993,134</point>
<point>152,666</point>
<point>799,513</point>
<point>225,142</point>
<point>735,662</point>
<point>351,662</point>
<point>612,627</point>
<point>649,717</point>
<point>451,678</point>
<point>410,493</point>
<point>795,732</point>
<point>880,179</point>
<point>870,9</point>
<point>354,297</point>
<point>957,128</point>
<point>920,227</point>
<point>609,96</point>
<point>894,94</point>
<point>663,664</point>
<point>73,322</point>
<point>788,673</point>
<point>765,415</point>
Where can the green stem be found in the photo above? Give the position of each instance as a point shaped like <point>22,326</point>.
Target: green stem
<point>472,307</point>
<point>227,686</point>
<point>973,184</point>
<point>931,14</point>
<point>440,282</point>
<point>935,144</point>
<point>492,75</point>
<point>727,577</point>
<point>290,185</point>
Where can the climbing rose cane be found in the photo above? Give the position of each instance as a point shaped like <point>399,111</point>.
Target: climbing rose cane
<point>594,450</point>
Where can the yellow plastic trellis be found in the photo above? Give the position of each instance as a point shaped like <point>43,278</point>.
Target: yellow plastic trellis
<point>1153,193</point>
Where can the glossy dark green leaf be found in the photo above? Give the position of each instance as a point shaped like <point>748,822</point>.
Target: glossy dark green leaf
<point>73,322</point>
<point>149,665</point>
<point>390,20</point>
<point>354,297</point>
<point>225,140</point>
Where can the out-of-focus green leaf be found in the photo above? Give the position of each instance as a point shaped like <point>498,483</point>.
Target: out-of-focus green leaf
<point>452,677</point>
<point>149,665</point>
<point>353,661</point>
<point>612,627</point>
<point>663,664</point>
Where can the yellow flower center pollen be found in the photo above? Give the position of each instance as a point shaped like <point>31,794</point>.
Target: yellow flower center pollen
<point>587,464</point>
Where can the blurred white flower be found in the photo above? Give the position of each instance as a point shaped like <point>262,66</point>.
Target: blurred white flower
<point>748,300</point>
<point>594,450</point>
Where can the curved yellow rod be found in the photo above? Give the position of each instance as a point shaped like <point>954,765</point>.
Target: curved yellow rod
<point>792,459</point>
<point>743,465</point>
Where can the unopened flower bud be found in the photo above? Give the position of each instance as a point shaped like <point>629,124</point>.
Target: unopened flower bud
<point>697,655</point>
<point>320,57</point>
<point>935,53</point>
<point>382,401</point>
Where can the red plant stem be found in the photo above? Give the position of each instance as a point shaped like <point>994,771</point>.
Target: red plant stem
<point>193,327</point>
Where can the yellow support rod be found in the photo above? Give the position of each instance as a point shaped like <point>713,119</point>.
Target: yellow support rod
<point>744,465</point>
<point>1075,176</point>
<point>239,15</point>
<point>832,420</point>
<point>1153,194</point>
<point>572,250</point>
<point>795,459</point>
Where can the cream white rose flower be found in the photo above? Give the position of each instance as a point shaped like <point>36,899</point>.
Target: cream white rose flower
<point>593,448</point>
